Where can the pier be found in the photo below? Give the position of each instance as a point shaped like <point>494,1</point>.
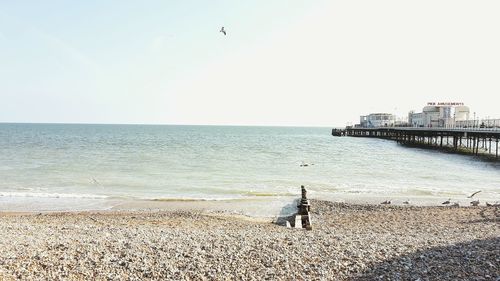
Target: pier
<point>475,141</point>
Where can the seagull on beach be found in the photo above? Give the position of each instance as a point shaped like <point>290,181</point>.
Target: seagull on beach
<point>455,204</point>
<point>386,202</point>
<point>475,203</point>
<point>472,195</point>
<point>447,202</point>
<point>492,204</point>
<point>222,30</point>
<point>406,202</point>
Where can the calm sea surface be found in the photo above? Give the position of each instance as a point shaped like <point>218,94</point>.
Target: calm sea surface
<point>77,164</point>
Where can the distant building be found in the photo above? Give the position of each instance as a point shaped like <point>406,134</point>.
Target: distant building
<point>375,120</point>
<point>442,114</point>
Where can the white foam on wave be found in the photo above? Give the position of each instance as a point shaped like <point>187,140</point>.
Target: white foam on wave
<point>52,195</point>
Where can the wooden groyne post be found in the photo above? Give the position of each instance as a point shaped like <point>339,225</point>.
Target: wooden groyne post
<point>303,217</point>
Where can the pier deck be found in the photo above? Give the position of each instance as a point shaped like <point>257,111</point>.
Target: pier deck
<point>477,141</point>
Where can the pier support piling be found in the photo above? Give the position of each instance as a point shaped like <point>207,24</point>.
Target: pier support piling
<point>496,155</point>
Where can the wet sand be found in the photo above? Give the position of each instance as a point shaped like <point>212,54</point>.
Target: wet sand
<point>348,242</point>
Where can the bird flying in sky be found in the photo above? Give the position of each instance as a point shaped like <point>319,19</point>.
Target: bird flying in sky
<point>472,195</point>
<point>222,30</point>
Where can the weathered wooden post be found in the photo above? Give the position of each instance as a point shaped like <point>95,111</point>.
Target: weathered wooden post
<point>303,218</point>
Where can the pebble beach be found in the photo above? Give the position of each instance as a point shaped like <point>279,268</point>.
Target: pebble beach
<point>348,242</point>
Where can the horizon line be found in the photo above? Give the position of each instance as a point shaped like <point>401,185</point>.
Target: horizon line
<point>171,124</point>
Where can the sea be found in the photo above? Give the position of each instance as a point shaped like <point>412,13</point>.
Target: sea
<point>67,167</point>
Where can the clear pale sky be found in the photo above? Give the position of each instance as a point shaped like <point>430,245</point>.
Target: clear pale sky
<point>287,62</point>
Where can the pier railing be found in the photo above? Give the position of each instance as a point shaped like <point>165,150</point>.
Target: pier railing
<point>456,129</point>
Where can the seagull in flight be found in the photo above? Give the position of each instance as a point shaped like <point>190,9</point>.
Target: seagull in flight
<point>472,195</point>
<point>222,30</point>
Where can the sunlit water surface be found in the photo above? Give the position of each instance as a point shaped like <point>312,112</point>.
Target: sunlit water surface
<point>70,167</point>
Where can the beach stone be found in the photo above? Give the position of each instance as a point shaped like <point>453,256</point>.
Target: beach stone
<point>410,243</point>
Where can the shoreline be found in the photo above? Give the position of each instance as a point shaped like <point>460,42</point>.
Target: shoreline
<point>259,207</point>
<point>348,242</point>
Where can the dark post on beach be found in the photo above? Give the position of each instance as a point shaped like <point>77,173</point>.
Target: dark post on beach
<point>304,207</point>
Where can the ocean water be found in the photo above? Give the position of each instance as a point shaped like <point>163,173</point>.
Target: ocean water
<point>88,166</point>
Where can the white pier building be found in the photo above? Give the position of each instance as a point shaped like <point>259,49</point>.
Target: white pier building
<point>376,120</point>
<point>441,114</point>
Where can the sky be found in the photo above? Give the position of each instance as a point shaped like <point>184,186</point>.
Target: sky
<point>282,62</point>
